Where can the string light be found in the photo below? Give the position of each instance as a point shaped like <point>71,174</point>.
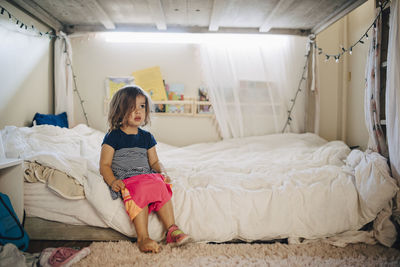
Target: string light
<point>293,100</point>
<point>327,57</point>
<point>21,25</point>
<point>361,41</point>
<point>81,101</point>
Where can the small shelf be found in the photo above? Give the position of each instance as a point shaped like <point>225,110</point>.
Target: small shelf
<point>188,107</point>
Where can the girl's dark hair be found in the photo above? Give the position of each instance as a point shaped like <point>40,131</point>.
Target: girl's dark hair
<point>123,103</point>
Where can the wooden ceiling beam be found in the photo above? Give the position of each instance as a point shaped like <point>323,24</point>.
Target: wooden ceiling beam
<point>82,29</point>
<point>216,13</point>
<point>338,14</point>
<point>157,12</point>
<point>37,12</point>
<point>99,12</point>
<point>268,22</point>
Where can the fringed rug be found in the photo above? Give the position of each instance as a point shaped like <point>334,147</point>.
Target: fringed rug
<point>125,253</point>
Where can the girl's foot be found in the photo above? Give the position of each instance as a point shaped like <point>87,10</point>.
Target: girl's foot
<point>148,245</point>
<point>176,238</point>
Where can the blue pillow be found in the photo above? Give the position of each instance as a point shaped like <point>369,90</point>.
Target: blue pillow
<point>56,120</point>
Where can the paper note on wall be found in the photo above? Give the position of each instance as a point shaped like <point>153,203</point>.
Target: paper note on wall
<point>151,81</point>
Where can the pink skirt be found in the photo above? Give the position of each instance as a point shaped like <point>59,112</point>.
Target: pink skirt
<point>145,190</point>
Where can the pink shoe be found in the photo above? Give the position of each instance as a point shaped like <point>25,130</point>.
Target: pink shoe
<point>176,237</point>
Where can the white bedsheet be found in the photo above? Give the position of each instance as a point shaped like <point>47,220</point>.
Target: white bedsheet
<point>42,202</point>
<point>257,188</point>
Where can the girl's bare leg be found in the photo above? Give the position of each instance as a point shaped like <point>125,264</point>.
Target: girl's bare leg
<point>141,225</point>
<point>166,214</point>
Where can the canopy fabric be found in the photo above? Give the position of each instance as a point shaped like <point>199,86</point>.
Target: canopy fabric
<point>63,78</point>
<point>393,91</point>
<point>251,84</point>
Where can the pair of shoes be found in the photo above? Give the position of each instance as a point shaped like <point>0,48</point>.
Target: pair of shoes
<point>176,238</point>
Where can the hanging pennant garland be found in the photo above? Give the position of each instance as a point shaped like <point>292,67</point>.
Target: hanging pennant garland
<point>21,25</point>
<point>337,56</point>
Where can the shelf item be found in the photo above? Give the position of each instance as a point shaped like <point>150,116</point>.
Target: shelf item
<point>183,108</point>
<point>151,81</point>
<point>189,107</point>
<point>204,108</point>
<point>174,107</point>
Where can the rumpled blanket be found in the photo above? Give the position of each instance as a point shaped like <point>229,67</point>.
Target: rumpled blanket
<point>59,182</point>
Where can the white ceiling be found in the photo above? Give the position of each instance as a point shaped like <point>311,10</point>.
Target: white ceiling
<point>272,16</point>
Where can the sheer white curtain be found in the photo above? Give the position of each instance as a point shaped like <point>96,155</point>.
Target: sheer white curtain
<point>251,82</point>
<point>63,77</point>
<point>393,90</point>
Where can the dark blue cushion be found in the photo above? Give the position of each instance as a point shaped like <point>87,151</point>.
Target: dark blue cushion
<point>56,120</point>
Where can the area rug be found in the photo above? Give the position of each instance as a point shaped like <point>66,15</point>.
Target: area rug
<point>125,253</point>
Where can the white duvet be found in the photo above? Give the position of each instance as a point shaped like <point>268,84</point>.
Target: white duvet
<point>255,188</point>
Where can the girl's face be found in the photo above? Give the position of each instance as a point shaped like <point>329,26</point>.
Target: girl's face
<point>137,116</point>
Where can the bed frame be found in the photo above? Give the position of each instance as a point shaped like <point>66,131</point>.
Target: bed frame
<point>41,229</point>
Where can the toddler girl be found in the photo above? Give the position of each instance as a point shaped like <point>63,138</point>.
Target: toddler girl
<point>129,165</point>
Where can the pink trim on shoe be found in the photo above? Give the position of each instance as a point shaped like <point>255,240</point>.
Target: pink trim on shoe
<point>176,238</point>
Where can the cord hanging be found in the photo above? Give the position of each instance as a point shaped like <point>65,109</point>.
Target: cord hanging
<point>293,100</point>
<point>81,101</point>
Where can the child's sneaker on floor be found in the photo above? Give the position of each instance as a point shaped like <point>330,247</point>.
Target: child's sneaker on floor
<point>176,238</point>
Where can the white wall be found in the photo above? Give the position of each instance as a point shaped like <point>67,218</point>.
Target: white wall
<point>359,20</point>
<point>94,59</point>
<point>329,81</point>
<point>342,84</point>
<point>26,70</point>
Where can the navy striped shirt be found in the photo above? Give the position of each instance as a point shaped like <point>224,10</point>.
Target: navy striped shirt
<point>130,154</point>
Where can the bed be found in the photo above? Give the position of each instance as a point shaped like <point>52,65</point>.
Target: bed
<point>294,186</point>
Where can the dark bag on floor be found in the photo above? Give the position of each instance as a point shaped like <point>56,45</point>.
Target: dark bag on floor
<point>11,230</point>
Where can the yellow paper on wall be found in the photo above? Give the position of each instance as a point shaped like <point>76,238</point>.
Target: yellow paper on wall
<point>151,81</point>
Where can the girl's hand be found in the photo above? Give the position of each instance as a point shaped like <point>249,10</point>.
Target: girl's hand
<point>167,179</point>
<point>117,185</point>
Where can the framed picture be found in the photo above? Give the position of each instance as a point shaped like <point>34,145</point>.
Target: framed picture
<point>113,84</point>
